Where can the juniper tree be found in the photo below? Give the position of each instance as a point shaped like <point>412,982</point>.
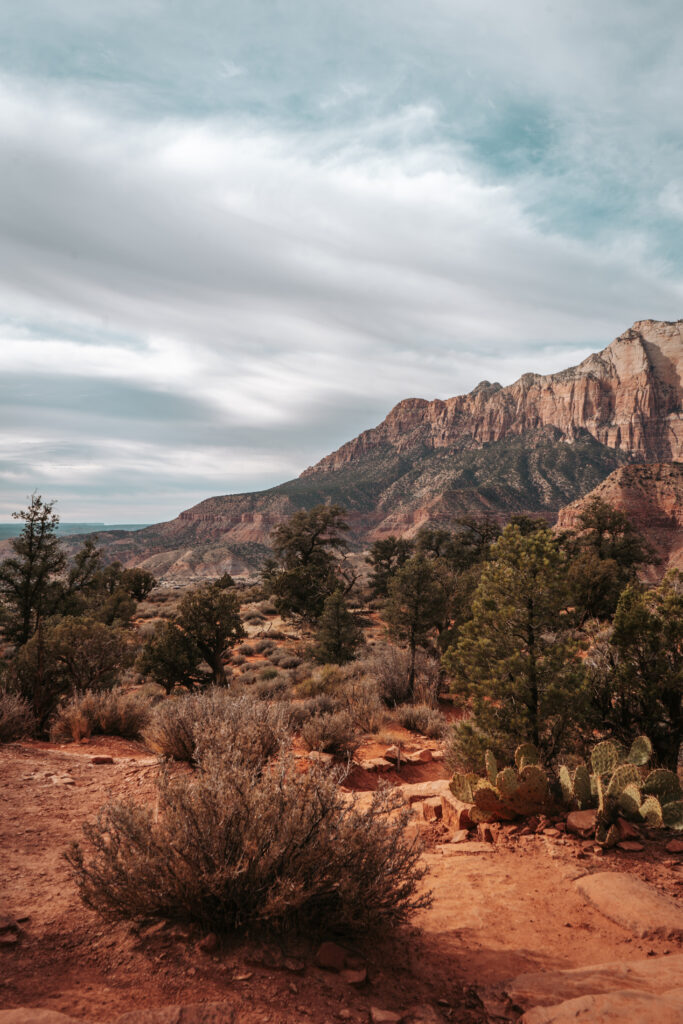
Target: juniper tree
<point>337,635</point>
<point>415,606</point>
<point>517,659</point>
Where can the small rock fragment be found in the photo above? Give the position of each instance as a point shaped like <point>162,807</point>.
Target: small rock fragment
<point>101,759</point>
<point>331,957</point>
<point>379,1016</point>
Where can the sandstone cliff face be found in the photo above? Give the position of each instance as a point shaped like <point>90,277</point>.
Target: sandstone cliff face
<point>628,397</point>
<point>652,498</point>
<point>531,448</point>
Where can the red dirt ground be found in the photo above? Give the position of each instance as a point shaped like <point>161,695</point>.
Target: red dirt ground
<point>494,915</point>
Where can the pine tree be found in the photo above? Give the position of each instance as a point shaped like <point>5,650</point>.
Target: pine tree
<point>517,658</point>
<point>27,578</point>
<point>337,635</point>
<point>415,606</point>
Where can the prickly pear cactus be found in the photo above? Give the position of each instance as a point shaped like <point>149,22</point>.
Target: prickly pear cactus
<point>607,836</point>
<point>605,757</point>
<point>673,815</point>
<point>582,788</point>
<point>489,800</point>
<point>663,784</point>
<point>640,752</point>
<point>526,753</point>
<point>629,801</point>
<point>622,776</point>
<point>651,812</point>
<point>566,785</point>
<point>507,782</point>
<point>462,787</point>
<point>491,766</point>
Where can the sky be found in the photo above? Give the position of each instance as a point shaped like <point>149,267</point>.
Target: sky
<point>234,233</point>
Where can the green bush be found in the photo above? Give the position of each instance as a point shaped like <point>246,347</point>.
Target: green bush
<point>108,713</point>
<point>16,718</point>
<point>233,847</point>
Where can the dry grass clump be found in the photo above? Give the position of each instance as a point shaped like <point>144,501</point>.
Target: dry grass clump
<point>361,699</point>
<point>235,846</point>
<point>245,649</point>
<point>16,718</point>
<point>332,733</point>
<point>263,646</point>
<point>423,719</point>
<point>284,659</point>
<point>390,667</point>
<point>101,712</point>
<point>219,720</point>
<point>275,687</point>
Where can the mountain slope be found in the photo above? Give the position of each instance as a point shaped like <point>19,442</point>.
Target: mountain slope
<point>532,447</point>
<point>652,498</point>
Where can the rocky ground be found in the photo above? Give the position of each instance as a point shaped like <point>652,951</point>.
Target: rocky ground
<point>507,915</point>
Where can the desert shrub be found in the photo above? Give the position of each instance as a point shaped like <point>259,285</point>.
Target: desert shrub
<point>273,687</point>
<point>107,713</point>
<point>361,700</point>
<point>332,733</point>
<point>324,679</point>
<point>390,666</point>
<point>216,720</point>
<point>252,616</point>
<point>151,692</point>
<point>16,717</point>
<point>263,646</point>
<point>423,719</point>
<point>245,649</point>
<point>285,659</point>
<point>237,659</point>
<point>233,847</point>
<point>267,608</point>
<point>301,711</point>
<point>268,673</point>
<point>147,629</point>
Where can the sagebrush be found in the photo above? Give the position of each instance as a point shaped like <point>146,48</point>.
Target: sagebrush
<point>233,846</point>
<point>107,713</point>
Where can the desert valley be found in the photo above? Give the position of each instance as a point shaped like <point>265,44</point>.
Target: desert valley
<point>397,740</point>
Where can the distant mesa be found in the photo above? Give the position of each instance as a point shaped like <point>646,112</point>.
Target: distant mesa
<point>533,447</point>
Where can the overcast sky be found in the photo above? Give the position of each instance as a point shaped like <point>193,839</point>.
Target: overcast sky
<point>234,233</point>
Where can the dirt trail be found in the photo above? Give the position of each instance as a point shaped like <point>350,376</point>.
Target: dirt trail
<point>495,914</point>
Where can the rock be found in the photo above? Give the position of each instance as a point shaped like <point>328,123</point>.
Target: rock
<point>486,833</point>
<point>431,808</point>
<point>320,757</point>
<point>354,977</point>
<point>101,759</point>
<point>393,754</point>
<point>209,943</point>
<point>62,780</point>
<point>376,764</point>
<point>674,846</point>
<point>423,1014</point>
<point>458,848</point>
<point>627,830</point>
<point>461,836</point>
<point>194,1013</point>
<point>294,964</point>
<point>415,791</point>
<point>331,957</point>
<point>633,903</point>
<point>424,756</point>
<point>628,846</point>
<point>437,755</point>
<point>35,1015</point>
<point>613,1008</point>
<point>553,833</point>
<point>580,822</point>
<point>545,988</point>
<point>455,813</point>
<point>378,1016</point>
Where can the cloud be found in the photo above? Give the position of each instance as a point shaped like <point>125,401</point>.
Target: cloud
<point>244,240</point>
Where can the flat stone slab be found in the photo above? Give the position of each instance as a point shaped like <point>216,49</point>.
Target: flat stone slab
<point>545,988</point>
<point>423,790</point>
<point>453,849</point>
<point>34,1015</point>
<point>613,1008</point>
<point>634,904</point>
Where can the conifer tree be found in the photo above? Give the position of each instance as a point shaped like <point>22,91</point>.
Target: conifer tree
<point>415,606</point>
<point>337,635</point>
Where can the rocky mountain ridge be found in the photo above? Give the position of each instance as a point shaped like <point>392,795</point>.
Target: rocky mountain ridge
<point>532,447</point>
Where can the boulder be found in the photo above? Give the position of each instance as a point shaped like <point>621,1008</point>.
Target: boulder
<point>580,822</point>
<point>612,1008</point>
<point>331,957</point>
<point>431,808</point>
<point>634,904</point>
<point>456,814</point>
<point>545,988</point>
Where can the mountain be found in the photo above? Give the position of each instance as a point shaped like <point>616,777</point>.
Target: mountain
<point>532,447</point>
<point>652,498</point>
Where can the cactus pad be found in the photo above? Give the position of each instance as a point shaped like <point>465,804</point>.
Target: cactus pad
<point>663,784</point>
<point>672,814</point>
<point>582,787</point>
<point>629,801</point>
<point>526,753</point>
<point>491,766</point>
<point>622,775</point>
<point>488,799</point>
<point>641,751</point>
<point>651,811</point>
<point>605,757</point>
<point>507,782</point>
<point>462,787</point>
<point>566,785</point>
